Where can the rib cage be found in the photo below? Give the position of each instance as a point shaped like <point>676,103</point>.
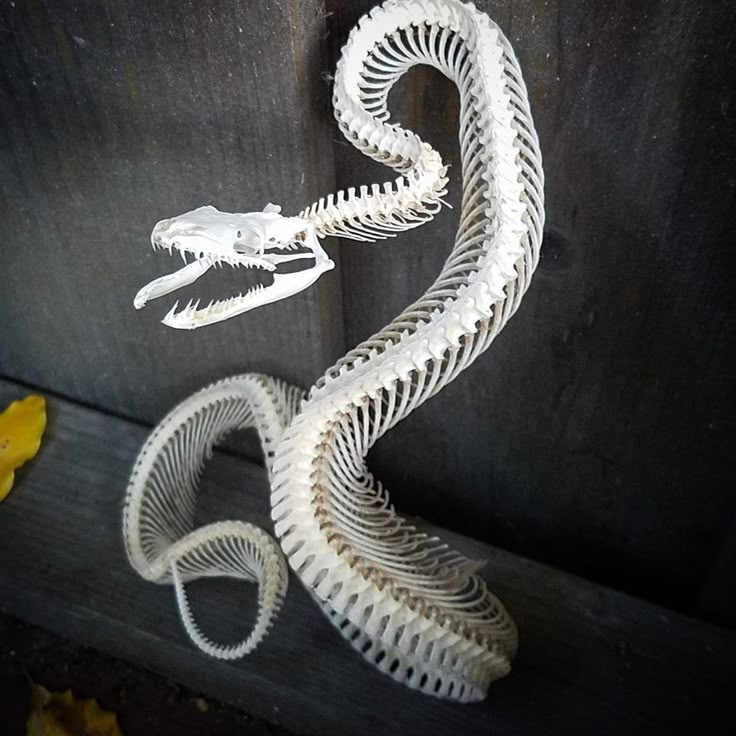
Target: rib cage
<point>414,608</point>
<point>362,560</point>
<point>160,502</point>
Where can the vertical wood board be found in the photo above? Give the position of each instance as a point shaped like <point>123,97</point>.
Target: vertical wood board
<point>597,430</point>
<point>121,113</point>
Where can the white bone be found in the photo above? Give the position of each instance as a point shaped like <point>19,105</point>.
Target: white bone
<point>161,541</point>
<point>171,282</point>
<point>241,240</point>
<point>414,608</point>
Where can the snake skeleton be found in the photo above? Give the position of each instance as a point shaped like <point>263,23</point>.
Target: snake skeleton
<point>414,608</point>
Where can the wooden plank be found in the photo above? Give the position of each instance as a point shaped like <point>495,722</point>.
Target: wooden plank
<point>118,113</point>
<point>121,113</point>
<point>597,432</point>
<point>591,660</point>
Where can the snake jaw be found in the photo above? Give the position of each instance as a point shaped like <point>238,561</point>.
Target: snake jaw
<point>283,286</point>
<point>255,240</point>
<point>414,608</point>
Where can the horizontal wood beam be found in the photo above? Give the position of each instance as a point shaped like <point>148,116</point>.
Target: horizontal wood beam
<point>591,660</point>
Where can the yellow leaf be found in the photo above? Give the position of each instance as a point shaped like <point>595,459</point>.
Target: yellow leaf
<point>21,427</point>
<point>61,714</point>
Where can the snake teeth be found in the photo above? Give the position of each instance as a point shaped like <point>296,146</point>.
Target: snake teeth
<point>416,609</point>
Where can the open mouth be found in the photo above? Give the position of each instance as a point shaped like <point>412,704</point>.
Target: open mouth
<point>281,269</point>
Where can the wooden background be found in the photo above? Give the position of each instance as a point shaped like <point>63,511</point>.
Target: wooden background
<point>595,435</point>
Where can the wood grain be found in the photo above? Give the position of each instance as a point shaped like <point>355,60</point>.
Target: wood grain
<point>597,432</point>
<point>591,660</point>
<point>116,115</point>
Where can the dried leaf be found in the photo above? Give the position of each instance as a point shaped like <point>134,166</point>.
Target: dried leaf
<point>21,427</point>
<point>200,704</point>
<point>60,714</point>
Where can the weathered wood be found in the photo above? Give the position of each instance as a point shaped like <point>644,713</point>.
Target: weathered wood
<point>591,660</point>
<point>597,432</point>
<point>116,115</point>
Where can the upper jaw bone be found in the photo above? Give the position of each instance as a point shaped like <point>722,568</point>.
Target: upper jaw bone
<point>210,247</point>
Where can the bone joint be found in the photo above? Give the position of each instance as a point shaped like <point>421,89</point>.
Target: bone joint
<point>415,609</point>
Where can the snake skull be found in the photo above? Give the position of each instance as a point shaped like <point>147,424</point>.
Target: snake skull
<point>260,240</point>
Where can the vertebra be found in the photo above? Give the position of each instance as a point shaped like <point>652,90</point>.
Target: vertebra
<point>414,608</point>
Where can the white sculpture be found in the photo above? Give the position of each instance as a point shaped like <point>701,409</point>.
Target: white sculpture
<point>414,608</point>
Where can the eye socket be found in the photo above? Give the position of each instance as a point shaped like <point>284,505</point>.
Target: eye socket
<point>247,232</point>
